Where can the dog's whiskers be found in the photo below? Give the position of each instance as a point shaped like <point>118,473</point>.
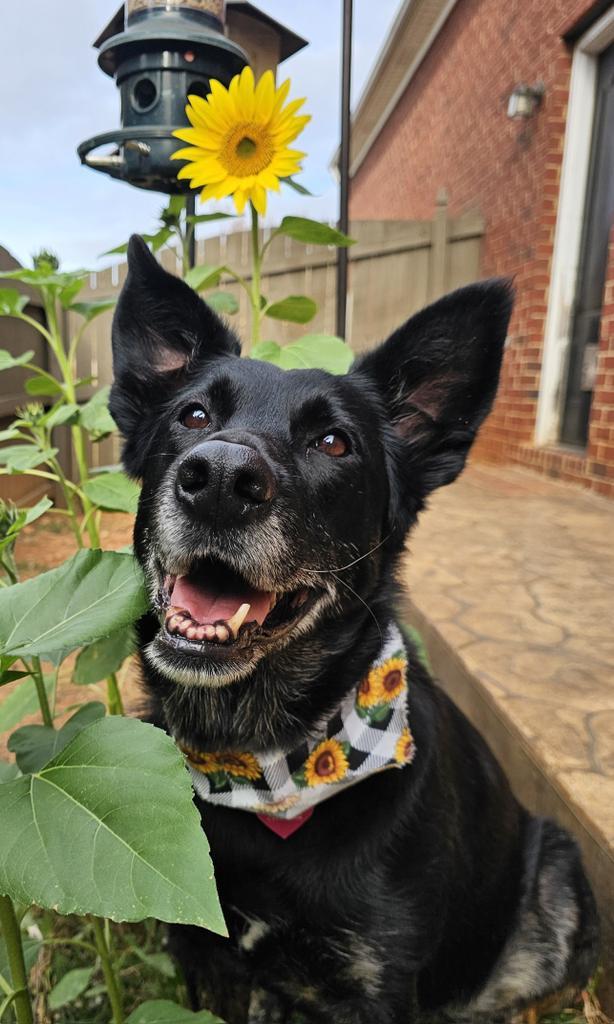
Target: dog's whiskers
<point>340,568</point>
<point>362,601</point>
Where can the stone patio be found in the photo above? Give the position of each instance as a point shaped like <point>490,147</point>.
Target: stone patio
<point>511,578</point>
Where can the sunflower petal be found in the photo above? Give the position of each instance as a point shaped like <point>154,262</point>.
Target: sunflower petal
<point>246,93</point>
<point>258,198</point>
<point>264,98</point>
<point>240,198</point>
<point>280,96</point>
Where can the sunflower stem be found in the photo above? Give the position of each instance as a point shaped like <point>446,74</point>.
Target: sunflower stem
<point>256,268</point>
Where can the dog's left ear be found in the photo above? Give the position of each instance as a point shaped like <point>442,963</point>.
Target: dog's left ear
<point>161,330</point>
<point>438,375</point>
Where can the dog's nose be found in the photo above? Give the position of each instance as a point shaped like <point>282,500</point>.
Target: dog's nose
<point>221,475</point>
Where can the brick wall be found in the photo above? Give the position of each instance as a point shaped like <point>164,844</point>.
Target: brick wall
<point>450,131</point>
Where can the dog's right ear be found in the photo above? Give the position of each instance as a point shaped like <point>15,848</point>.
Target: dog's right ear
<point>161,331</point>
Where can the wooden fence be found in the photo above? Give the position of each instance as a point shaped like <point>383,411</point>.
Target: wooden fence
<point>395,268</point>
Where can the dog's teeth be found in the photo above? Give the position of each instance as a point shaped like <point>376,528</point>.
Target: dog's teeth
<point>192,632</point>
<point>209,632</point>
<point>236,621</point>
<point>222,633</point>
<point>184,626</point>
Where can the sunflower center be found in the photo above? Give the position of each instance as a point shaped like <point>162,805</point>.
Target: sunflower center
<point>325,764</point>
<point>246,150</point>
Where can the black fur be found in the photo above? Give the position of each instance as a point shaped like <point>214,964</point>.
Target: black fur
<point>422,894</point>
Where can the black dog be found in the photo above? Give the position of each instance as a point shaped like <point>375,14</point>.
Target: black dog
<point>274,510</point>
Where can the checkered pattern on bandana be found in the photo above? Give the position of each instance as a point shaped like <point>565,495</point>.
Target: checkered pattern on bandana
<point>368,733</point>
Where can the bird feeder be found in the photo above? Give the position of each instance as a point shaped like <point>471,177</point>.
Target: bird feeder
<point>161,51</point>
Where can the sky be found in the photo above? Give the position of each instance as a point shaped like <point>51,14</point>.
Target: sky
<point>54,96</point>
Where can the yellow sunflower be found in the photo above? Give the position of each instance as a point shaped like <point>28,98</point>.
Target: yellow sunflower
<point>383,683</point>
<point>326,763</point>
<point>243,766</point>
<point>238,142</point>
<point>404,749</point>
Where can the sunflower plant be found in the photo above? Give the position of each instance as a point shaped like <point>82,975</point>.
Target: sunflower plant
<point>240,144</point>
<point>83,801</point>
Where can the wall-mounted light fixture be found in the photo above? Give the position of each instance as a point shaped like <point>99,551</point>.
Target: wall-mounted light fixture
<point>525,100</point>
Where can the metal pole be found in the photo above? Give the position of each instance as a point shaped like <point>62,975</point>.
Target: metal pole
<point>190,209</point>
<point>344,164</point>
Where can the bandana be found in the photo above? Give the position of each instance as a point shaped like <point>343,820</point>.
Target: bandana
<point>367,733</point>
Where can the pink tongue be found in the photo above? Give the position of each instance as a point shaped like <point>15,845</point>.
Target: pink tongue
<point>209,606</point>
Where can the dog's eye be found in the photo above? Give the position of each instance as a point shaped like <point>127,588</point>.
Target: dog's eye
<point>194,417</point>
<point>331,444</point>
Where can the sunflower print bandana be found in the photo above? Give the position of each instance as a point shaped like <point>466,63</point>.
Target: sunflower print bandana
<point>369,732</point>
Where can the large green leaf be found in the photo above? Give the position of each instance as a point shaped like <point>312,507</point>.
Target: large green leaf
<point>161,1011</point>
<point>100,659</point>
<point>312,232</point>
<point>95,415</point>
<point>21,702</point>
<point>204,276</point>
<point>20,457</point>
<point>7,361</point>
<point>35,745</point>
<point>113,491</point>
<point>90,310</point>
<point>12,303</point>
<point>298,309</point>
<point>91,595</point>
<point>62,412</point>
<point>312,352</point>
<point>70,987</point>
<point>136,849</point>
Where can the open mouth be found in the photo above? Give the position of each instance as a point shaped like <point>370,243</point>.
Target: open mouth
<point>214,607</point>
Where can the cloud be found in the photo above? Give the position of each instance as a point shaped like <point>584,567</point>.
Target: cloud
<point>54,96</point>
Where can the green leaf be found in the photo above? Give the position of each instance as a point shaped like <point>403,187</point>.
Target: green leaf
<point>161,1011</point>
<point>43,385</point>
<point>298,309</point>
<point>10,434</point>
<point>11,677</point>
<point>12,303</point>
<point>121,791</point>
<point>100,659</point>
<point>95,415</point>
<point>8,772</point>
<point>62,412</point>
<point>160,962</point>
<point>223,302</point>
<point>113,492</point>
<point>20,457</point>
<point>70,987</point>
<point>45,278</point>
<point>7,361</point>
<point>312,232</point>
<point>267,352</point>
<point>302,191</point>
<point>69,291</point>
<point>24,517</point>
<point>23,701</point>
<point>155,240</point>
<point>90,596</point>
<point>35,745</point>
<point>313,352</point>
<point>204,276</point>
<point>90,310</point>
<point>202,218</point>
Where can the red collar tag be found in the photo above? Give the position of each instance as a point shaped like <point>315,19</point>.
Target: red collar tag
<point>285,827</point>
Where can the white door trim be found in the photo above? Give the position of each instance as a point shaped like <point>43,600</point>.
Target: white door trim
<point>568,231</point>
